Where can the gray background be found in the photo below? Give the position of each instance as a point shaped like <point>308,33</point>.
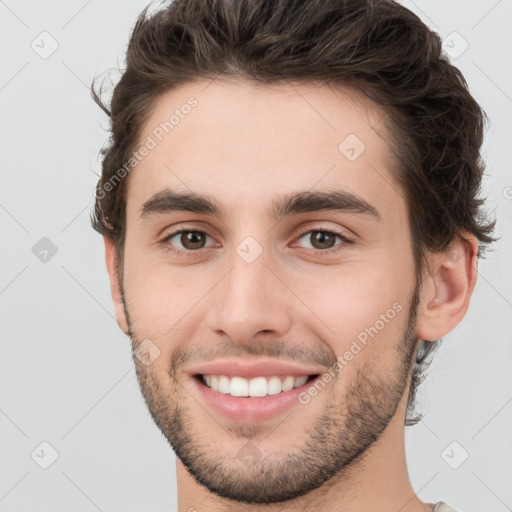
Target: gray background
<point>65,367</point>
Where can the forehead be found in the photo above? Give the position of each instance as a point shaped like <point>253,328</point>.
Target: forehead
<point>215,136</point>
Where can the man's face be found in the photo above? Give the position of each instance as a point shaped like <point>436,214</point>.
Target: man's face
<point>307,288</point>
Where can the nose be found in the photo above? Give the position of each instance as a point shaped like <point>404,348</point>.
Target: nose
<point>250,299</point>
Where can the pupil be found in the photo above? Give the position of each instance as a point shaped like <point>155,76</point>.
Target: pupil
<point>190,238</point>
<point>325,239</point>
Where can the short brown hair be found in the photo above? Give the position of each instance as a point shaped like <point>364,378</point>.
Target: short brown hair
<point>377,46</point>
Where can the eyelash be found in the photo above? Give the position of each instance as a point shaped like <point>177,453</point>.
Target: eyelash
<point>316,252</point>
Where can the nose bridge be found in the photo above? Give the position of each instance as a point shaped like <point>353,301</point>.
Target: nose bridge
<point>248,299</point>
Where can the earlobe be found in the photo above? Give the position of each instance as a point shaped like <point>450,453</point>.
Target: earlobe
<point>447,291</point>
<point>115,286</point>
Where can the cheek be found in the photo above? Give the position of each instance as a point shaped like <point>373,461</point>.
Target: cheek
<point>363,305</point>
<point>162,300</point>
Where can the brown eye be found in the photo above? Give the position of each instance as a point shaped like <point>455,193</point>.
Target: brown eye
<point>192,239</point>
<point>321,239</point>
<point>187,240</point>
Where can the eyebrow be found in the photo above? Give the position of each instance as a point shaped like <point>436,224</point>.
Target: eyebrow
<point>298,202</point>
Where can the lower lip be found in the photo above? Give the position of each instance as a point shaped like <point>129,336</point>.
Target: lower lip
<point>251,409</point>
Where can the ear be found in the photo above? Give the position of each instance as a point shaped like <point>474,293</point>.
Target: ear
<point>115,287</point>
<point>447,290</point>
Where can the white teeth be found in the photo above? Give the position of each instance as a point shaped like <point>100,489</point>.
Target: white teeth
<point>274,386</point>
<point>257,387</point>
<point>288,384</point>
<point>238,387</point>
<point>223,384</point>
<point>300,381</point>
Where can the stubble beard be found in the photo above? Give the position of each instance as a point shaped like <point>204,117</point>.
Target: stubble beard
<point>333,444</point>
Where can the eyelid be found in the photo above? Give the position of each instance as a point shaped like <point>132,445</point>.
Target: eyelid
<point>185,226</point>
<point>319,226</point>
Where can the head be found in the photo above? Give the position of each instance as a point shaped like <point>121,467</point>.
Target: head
<point>247,103</point>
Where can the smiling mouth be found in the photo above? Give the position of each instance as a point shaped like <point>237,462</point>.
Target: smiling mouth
<point>255,387</point>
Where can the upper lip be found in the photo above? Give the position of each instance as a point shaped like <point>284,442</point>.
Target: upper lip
<point>250,368</point>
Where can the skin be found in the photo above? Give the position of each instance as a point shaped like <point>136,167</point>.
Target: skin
<point>245,145</point>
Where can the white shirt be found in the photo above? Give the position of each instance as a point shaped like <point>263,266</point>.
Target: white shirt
<point>441,506</point>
